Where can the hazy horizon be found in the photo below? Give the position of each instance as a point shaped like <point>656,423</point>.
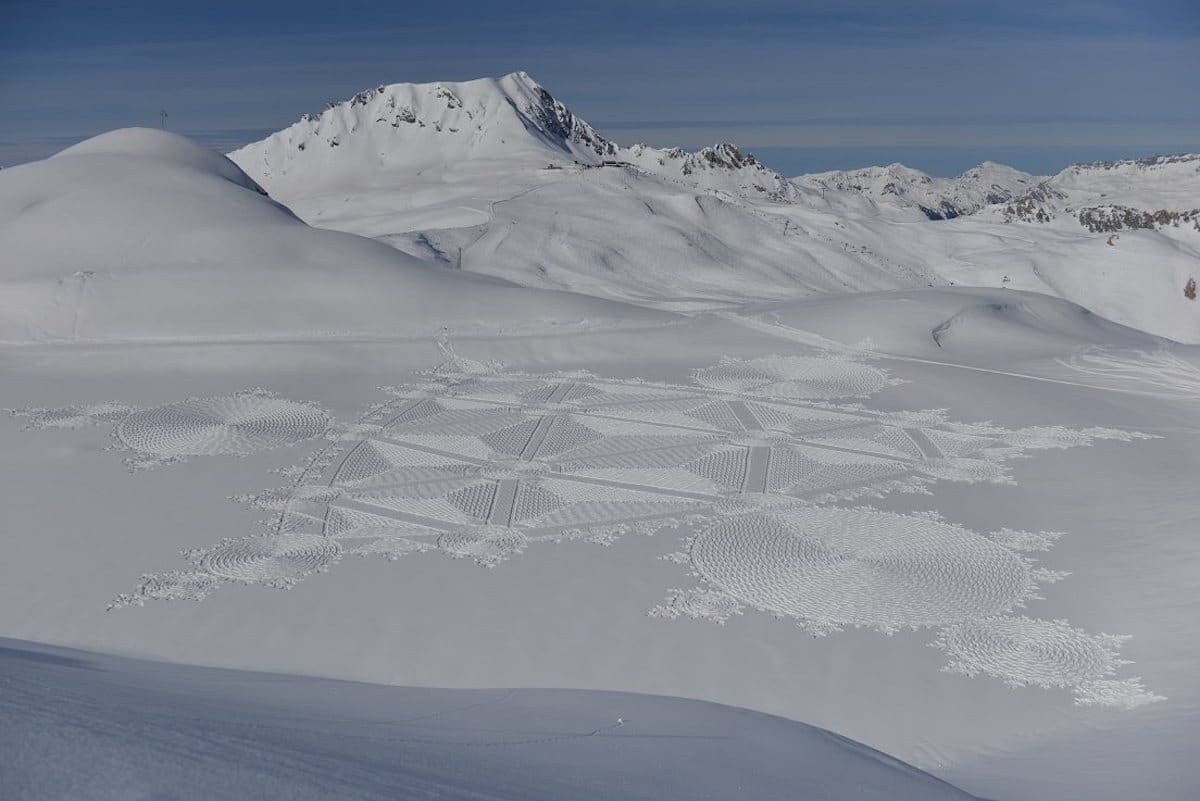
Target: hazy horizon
<point>939,87</point>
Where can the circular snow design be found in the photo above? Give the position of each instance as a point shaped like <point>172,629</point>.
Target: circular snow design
<point>487,545</point>
<point>698,604</point>
<point>228,424</point>
<point>75,416</point>
<point>794,377</point>
<point>286,557</point>
<point>860,567</point>
<point>1019,650</point>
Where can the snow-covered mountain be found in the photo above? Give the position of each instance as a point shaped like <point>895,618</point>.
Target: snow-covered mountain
<point>500,177</point>
<point>403,129</point>
<point>497,176</point>
<point>936,198</point>
<point>1101,195</point>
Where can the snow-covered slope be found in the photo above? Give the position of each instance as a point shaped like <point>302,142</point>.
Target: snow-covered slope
<point>936,198</point>
<point>140,234</point>
<point>1170,182</point>
<point>1111,196</point>
<point>153,730</point>
<point>1119,238</point>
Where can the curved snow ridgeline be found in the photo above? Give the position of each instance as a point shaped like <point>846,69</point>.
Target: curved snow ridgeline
<point>160,727</point>
<point>141,234</point>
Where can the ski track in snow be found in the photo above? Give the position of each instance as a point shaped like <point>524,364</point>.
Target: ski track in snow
<point>1158,373</point>
<point>478,463</point>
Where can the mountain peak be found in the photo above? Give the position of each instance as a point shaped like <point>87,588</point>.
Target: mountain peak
<point>405,129</point>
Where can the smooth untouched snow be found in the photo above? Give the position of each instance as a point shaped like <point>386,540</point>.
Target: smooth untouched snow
<point>153,730</point>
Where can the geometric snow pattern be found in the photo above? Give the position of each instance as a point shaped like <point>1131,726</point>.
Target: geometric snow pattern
<point>474,463</point>
<point>376,461</point>
<point>884,440</point>
<point>238,424</point>
<point>726,467</point>
<point>280,560</point>
<point>833,567</point>
<point>74,416</point>
<point>809,469</point>
<point>1044,653</point>
<point>368,534</point>
<point>241,424</point>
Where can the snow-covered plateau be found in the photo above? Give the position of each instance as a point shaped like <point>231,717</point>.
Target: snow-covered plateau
<point>438,446</point>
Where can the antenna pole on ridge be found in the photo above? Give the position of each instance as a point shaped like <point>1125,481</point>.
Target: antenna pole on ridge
<point>162,118</point>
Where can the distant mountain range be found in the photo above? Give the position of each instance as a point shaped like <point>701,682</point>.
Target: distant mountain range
<point>499,176</point>
<point>936,198</point>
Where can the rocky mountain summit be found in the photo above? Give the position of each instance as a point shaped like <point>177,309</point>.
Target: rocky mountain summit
<point>407,128</point>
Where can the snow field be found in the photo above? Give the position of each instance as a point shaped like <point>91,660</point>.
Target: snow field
<point>482,465</point>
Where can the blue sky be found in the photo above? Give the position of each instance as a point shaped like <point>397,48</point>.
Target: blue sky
<point>806,85</point>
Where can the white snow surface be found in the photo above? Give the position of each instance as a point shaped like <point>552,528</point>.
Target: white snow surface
<point>154,730</point>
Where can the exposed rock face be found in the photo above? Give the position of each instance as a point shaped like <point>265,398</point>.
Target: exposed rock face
<point>1108,219</point>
